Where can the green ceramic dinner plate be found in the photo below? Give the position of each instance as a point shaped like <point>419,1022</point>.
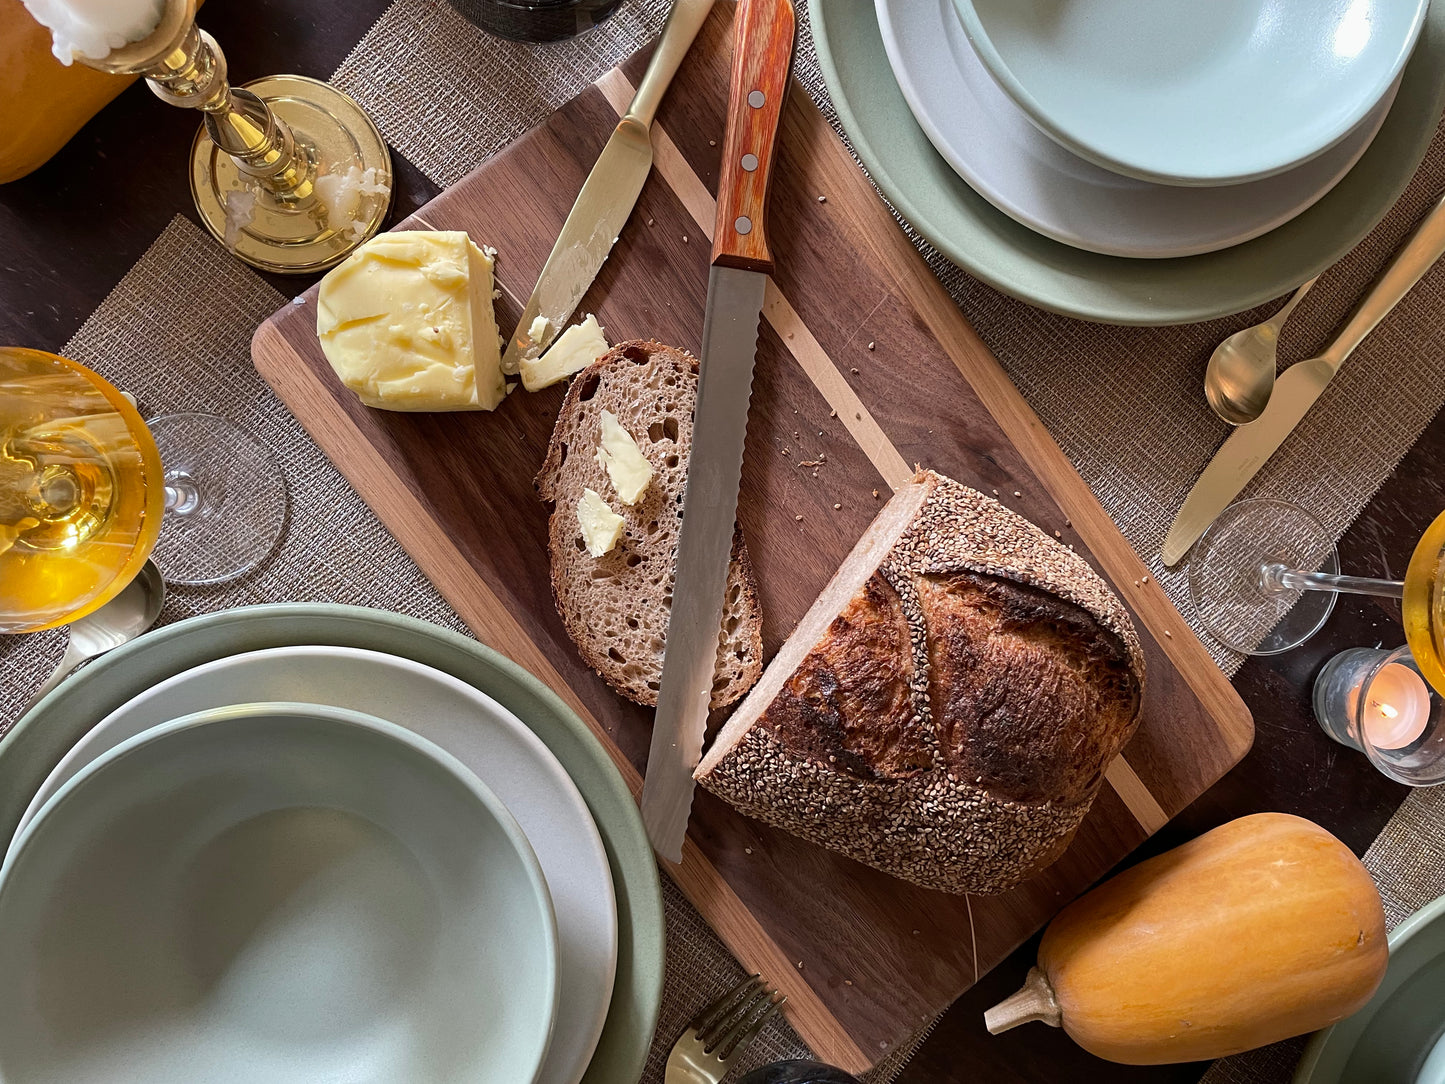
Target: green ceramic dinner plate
<point>1007,255</point>
<point>37,742</point>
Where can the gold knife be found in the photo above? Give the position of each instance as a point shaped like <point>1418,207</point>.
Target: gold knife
<point>608,196</point>
<point>1248,447</point>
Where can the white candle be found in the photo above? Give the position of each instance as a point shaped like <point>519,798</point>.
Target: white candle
<point>1397,708</point>
<point>92,28</point>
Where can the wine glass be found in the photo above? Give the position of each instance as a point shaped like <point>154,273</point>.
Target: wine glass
<point>86,486</point>
<point>1265,576</point>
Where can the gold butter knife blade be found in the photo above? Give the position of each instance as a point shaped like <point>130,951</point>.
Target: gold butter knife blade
<point>1240,457</point>
<point>1247,449</point>
<point>607,198</point>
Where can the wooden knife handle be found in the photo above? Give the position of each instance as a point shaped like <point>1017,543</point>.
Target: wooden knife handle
<point>763,33</point>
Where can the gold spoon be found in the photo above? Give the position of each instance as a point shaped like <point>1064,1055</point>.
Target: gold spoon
<point>1240,376</point>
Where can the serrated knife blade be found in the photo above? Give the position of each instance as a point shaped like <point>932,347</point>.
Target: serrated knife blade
<point>763,33</point>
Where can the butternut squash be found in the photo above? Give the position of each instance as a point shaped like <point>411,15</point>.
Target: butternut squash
<point>1264,928</point>
<point>42,102</point>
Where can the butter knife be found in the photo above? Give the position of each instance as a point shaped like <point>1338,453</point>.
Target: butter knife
<point>763,34</point>
<point>1250,446</point>
<point>608,196</point>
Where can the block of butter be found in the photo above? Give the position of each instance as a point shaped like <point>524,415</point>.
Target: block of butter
<point>407,323</point>
<point>601,527</point>
<point>575,349</point>
<point>619,455</point>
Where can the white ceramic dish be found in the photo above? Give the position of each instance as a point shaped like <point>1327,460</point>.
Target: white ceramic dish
<point>1210,93</point>
<point>474,728</point>
<point>282,892</point>
<point>994,146</point>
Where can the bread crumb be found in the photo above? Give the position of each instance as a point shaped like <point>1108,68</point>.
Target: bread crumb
<point>822,199</point>
<point>747,850</point>
<point>811,463</point>
<point>915,933</point>
<point>847,982</point>
<point>785,451</point>
<point>1057,535</point>
<point>649,222</point>
<point>875,494</point>
<point>995,493</point>
<point>871,345</point>
<point>837,507</point>
<point>800,965</point>
<point>1144,579</point>
<point>712,142</point>
<point>798,518</point>
<point>684,239</point>
<point>1017,493</point>
<point>1168,634</point>
<point>832,413</point>
<point>853,371</point>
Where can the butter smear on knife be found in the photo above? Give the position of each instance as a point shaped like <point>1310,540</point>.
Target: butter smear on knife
<point>407,323</point>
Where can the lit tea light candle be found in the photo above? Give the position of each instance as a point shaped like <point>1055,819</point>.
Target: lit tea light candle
<point>1397,707</point>
<point>92,28</point>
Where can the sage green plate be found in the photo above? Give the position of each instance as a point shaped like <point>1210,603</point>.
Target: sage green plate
<point>37,742</point>
<point>1397,1037</point>
<point>987,243</point>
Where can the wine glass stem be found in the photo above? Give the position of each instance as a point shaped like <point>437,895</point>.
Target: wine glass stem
<point>1281,578</point>
<point>182,496</point>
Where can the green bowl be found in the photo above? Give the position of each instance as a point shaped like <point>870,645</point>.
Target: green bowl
<point>278,892</point>
<point>1396,1037</point>
<point>1009,256</point>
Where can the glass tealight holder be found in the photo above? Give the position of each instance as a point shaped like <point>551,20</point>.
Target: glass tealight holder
<point>1376,701</point>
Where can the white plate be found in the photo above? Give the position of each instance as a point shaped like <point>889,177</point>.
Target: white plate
<point>993,146</point>
<point>474,728</point>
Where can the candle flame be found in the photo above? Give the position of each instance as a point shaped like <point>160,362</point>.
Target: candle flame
<point>1387,711</point>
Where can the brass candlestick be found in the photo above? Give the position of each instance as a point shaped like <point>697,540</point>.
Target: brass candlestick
<point>288,172</point>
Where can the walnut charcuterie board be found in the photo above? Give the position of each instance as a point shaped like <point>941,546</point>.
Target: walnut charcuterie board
<point>866,960</point>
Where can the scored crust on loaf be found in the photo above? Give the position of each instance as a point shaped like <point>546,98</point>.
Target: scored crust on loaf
<point>616,607</point>
<point>947,708</point>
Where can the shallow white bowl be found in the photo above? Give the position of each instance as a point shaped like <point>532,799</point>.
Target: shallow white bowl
<point>1209,93</point>
<point>275,892</point>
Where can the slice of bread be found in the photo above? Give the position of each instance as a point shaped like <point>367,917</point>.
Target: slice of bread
<point>616,607</point>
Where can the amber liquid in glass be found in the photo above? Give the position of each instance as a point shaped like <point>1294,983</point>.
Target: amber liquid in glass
<point>1423,604</point>
<point>81,491</point>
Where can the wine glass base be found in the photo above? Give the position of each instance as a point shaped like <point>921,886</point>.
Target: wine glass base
<point>225,500</point>
<point>1227,589</point>
<point>285,234</point>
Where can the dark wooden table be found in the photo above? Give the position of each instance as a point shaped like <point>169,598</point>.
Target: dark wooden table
<point>69,231</point>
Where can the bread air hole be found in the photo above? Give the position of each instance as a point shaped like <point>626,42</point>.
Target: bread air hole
<point>588,387</point>
<point>637,354</point>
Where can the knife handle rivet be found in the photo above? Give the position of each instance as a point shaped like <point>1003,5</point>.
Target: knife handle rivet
<point>757,99</point>
<point>744,224</point>
<point>750,162</point>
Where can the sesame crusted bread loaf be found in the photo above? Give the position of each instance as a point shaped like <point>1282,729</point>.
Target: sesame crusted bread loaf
<point>947,708</point>
<point>615,607</point>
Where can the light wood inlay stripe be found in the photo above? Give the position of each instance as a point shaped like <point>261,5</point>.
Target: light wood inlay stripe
<point>825,374</point>
<point>492,622</point>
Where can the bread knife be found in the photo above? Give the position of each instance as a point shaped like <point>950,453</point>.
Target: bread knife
<point>608,196</point>
<point>763,34</point>
<point>1250,446</point>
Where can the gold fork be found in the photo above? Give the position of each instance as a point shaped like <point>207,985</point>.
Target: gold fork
<point>718,1035</point>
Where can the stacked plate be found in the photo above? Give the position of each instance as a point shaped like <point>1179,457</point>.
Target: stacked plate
<point>314,842</point>
<point>1137,162</point>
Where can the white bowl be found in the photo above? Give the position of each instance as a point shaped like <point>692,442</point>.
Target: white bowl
<point>275,892</point>
<point>1205,93</point>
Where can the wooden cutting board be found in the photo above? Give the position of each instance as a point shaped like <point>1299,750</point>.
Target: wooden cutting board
<point>865,368</point>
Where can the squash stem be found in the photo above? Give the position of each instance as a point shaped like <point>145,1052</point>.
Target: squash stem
<point>1034,1002</point>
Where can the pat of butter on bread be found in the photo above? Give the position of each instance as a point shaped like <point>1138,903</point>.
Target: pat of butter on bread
<point>575,349</point>
<point>601,527</point>
<point>626,466</point>
<point>406,322</point>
